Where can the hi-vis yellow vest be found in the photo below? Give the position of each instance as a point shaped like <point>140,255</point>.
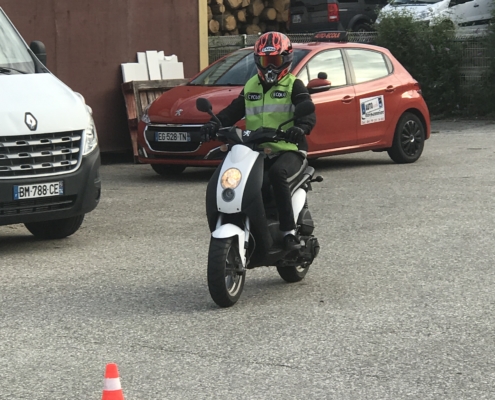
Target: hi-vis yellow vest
<point>270,109</point>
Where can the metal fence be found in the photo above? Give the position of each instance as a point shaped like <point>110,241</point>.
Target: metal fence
<point>473,63</point>
<point>220,46</point>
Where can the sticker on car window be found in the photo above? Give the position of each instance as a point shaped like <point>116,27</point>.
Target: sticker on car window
<point>372,110</point>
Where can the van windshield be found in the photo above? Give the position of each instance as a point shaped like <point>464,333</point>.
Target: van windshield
<point>14,56</point>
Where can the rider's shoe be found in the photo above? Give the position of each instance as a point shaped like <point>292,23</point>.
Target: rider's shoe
<point>291,242</point>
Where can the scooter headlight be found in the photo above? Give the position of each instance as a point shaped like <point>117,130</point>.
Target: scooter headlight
<point>231,178</point>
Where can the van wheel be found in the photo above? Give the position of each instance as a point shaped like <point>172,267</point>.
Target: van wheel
<point>55,229</point>
<point>168,170</point>
<point>409,139</point>
<point>362,27</point>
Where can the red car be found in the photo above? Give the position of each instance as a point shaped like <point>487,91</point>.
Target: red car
<point>365,100</point>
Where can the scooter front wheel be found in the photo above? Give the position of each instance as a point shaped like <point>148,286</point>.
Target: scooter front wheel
<point>226,276</point>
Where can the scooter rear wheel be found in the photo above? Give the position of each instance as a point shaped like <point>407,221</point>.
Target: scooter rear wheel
<point>225,274</point>
<point>292,274</point>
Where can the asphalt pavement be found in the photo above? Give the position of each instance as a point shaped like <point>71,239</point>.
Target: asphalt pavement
<point>399,304</point>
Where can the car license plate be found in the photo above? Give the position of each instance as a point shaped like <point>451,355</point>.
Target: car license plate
<point>172,137</point>
<point>38,190</point>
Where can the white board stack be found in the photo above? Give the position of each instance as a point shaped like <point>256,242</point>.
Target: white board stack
<point>153,65</point>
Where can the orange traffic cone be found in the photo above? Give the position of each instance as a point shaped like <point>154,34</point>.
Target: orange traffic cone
<point>111,388</point>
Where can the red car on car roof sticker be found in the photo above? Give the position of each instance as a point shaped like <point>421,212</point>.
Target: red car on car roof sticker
<point>365,100</point>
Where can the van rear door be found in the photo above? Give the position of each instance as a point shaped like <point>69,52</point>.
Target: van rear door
<point>314,16</point>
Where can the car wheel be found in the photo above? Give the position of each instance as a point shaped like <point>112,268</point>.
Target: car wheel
<point>447,24</point>
<point>55,229</point>
<point>409,139</point>
<point>168,170</point>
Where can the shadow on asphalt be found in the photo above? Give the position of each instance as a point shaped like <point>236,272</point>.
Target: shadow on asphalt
<point>195,174</point>
<point>339,162</point>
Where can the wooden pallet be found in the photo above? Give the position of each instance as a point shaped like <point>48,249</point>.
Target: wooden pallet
<point>138,95</point>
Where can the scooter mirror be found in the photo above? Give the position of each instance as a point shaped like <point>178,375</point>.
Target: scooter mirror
<point>303,109</point>
<point>203,105</point>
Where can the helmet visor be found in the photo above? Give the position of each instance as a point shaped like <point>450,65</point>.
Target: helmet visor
<point>275,61</point>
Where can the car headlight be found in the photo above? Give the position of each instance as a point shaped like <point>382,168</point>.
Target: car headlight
<point>231,178</point>
<point>90,138</point>
<point>145,117</point>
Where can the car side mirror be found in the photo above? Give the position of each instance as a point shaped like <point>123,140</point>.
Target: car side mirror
<point>203,105</point>
<point>39,50</point>
<point>320,84</point>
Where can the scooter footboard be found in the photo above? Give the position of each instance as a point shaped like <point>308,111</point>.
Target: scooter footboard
<point>231,230</point>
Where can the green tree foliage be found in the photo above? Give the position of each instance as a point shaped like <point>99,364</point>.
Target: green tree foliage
<point>430,54</point>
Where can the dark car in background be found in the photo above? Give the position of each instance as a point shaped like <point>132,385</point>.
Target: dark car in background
<point>333,15</point>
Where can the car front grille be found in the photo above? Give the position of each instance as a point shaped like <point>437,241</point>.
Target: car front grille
<point>174,147</point>
<point>32,206</point>
<point>39,154</point>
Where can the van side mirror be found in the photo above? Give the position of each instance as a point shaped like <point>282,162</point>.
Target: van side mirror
<point>39,50</point>
<point>320,84</point>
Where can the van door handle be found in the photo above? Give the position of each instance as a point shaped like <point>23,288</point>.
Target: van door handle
<point>476,5</point>
<point>347,99</point>
<point>389,89</point>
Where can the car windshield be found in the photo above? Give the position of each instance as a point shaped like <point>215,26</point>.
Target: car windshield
<point>413,2</point>
<point>236,69</point>
<point>14,56</point>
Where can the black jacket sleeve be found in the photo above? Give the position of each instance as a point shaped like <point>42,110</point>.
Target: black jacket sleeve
<point>234,112</point>
<point>299,94</point>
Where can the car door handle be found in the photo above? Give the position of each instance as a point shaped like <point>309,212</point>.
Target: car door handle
<point>367,9</point>
<point>390,89</point>
<point>347,99</point>
<point>476,5</point>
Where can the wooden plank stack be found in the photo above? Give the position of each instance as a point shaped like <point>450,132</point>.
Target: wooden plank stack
<point>251,17</point>
<point>139,94</point>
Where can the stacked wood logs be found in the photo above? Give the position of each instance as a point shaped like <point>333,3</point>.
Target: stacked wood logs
<point>251,17</point>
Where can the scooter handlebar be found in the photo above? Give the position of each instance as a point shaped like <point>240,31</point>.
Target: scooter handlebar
<point>238,136</point>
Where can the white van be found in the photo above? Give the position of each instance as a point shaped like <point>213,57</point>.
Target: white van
<point>465,15</point>
<point>49,155</point>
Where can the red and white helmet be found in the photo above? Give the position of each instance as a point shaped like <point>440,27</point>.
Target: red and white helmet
<point>273,56</point>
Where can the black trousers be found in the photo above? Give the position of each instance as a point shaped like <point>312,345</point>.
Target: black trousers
<point>280,169</point>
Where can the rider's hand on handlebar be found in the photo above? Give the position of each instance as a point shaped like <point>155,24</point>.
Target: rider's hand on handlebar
<point>294,134</point>
<point>209,130</point>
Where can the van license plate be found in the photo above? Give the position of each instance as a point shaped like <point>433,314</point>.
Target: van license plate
<point>172,137</point>
<point>38,190</point>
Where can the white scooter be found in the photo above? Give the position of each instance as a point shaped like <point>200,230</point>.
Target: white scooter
<point>242,215</point>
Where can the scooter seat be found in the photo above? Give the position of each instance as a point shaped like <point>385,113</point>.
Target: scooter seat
<point>296,179</point>
<point>294,183</point>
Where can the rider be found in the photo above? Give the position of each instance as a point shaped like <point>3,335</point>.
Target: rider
<point>267,100</point>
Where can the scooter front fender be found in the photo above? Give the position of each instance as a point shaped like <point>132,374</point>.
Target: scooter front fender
<point>228,231</point>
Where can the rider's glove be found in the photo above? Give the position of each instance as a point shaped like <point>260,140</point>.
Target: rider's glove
<point>209,130</point>
<point>294,134</point>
